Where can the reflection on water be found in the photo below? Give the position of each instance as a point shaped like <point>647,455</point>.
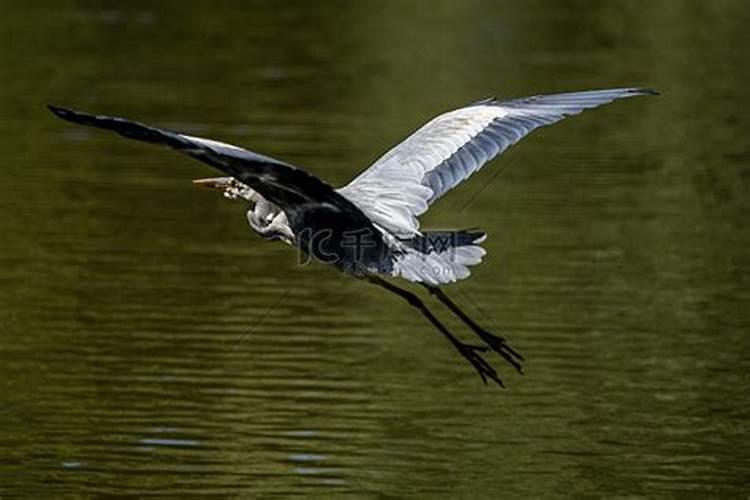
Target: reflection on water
<point>151,344</point>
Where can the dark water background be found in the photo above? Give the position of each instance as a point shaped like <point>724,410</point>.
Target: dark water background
<point>150,345</point>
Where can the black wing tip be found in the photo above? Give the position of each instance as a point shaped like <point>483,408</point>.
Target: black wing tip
<point>67,113</point>
<point>60,111</point>
<point>643,91</point>
<point>630,91</point>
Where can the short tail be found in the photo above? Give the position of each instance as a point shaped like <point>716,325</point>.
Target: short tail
<point>441,241</point>
<point>438,257</point>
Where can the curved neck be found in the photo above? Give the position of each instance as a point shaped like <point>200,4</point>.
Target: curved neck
<point>269,222</point>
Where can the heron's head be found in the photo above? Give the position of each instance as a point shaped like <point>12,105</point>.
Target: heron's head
<point>264,217</point>
<point>230,187</point>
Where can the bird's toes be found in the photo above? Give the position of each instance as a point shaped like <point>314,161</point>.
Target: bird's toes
<point>501,346</point>
<point>485,370</point>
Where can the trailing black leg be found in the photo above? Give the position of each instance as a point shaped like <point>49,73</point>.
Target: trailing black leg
<point>468,351</point>
<point>497,343</point>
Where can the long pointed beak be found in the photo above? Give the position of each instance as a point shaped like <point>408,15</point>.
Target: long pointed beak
<point>219,183</point>
<point>229,186</point>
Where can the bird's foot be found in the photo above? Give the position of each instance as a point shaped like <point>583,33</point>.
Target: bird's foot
<point>496,342</point>
<point>471,353</point>
<point>501,346</point>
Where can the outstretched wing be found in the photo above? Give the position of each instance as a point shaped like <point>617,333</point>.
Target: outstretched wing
<point>292,189</point>
<point>403,183</point>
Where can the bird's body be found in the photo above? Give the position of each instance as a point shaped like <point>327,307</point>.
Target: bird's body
<point>443,251</point>
<point>369,228</point>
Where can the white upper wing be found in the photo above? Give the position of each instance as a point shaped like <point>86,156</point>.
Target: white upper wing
<point>402,184</point>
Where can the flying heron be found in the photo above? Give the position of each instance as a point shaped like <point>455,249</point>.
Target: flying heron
<point>369,229</point>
